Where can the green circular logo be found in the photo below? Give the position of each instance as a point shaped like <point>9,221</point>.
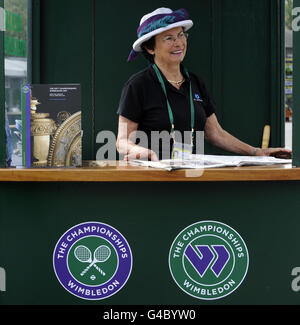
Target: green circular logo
<point>25,89</point>
<point>92,260</point>
<point>84,252</point>
<point>208,260</point>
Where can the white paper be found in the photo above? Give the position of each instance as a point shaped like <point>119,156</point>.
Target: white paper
<point>210,161</point>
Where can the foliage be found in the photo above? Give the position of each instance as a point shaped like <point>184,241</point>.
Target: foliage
<point>288,14</point>
<point>18,7</point>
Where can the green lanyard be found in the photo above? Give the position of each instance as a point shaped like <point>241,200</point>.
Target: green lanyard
<point>169,107</point>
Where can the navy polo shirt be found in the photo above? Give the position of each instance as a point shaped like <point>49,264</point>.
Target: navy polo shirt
<point>144,102</point>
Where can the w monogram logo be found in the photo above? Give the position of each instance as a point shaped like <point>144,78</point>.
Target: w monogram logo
<point>204,257</point>
<point>208,260</point>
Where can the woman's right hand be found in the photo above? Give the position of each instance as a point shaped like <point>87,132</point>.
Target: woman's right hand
<point>137,152</point>
<point>282,153</point>
<point>126,142</point>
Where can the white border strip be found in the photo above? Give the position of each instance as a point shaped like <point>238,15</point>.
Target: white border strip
<point>2,20</point>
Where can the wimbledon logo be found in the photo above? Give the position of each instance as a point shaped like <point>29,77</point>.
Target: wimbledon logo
<point>92,260</point>
<point>208,260</point>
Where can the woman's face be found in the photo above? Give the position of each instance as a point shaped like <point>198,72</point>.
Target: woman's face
<point>170,46</point>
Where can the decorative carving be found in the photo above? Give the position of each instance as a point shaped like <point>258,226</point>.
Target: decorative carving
<point>62,116</point>
<point>41,128</point>
<point>65,149</point>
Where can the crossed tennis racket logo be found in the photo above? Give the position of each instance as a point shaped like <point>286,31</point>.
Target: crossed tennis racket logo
<point>84,255</point>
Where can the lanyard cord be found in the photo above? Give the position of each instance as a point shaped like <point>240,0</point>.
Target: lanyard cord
<point>171,117</point>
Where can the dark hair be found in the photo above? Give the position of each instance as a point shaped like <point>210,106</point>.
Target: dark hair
<point>150,44</point>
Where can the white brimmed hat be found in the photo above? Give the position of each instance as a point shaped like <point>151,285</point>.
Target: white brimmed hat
<point>156,22</point>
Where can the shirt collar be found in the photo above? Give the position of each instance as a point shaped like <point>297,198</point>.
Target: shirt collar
<point>164,78</point>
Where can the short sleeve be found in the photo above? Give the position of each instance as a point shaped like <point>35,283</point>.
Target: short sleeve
<point>209,103</point>
<point>130,105</point>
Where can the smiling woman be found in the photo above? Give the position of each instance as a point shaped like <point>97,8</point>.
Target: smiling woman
<point>167,97</point>
<point>170,49</point>
<point>168,39</point>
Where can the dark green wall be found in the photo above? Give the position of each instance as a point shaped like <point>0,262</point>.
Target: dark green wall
<point>235,46</point>
<point>45,211</point>
<point>247,73</point>
<point>64,39</point>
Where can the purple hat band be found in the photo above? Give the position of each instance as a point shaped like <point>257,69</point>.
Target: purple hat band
<point>161,20</point>
<point>158,21</point>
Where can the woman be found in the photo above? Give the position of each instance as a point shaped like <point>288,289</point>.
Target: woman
<point>166,97</point>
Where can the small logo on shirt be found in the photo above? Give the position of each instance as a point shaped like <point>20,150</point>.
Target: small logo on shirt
<point>197,98</point>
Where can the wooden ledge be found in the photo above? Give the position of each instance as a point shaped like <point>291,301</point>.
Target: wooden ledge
<point>121,172</point>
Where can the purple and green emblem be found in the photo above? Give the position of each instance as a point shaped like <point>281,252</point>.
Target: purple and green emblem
<point>208,260</point>
<point>92,260</point>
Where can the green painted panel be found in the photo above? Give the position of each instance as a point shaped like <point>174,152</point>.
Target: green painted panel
<point>247,68</point>
<point>30,230</point>
<point>249,60</point>
<point>65,52</point>
<point>277,73</point>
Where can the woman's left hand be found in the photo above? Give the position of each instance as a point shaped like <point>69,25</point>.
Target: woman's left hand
<point>282,153</point>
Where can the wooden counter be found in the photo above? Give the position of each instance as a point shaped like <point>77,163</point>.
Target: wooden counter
<point>122,172</point>
<point>150,207</point>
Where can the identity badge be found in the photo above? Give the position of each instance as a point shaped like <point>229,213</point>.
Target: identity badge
<point>182,151</point>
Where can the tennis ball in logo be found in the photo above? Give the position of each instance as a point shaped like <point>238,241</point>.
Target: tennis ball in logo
<point>208,260</point>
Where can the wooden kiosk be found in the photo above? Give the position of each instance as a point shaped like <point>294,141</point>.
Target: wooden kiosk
<point>238,48</point>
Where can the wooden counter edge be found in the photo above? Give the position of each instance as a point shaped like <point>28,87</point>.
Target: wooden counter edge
<point>142,174</point>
